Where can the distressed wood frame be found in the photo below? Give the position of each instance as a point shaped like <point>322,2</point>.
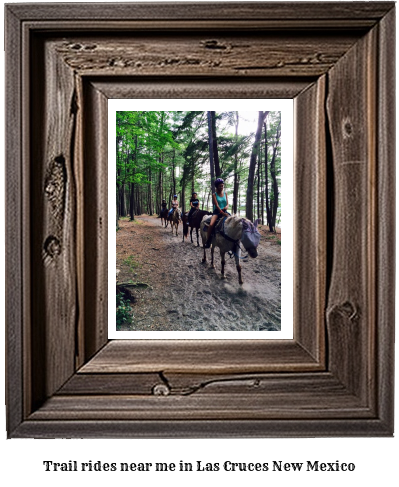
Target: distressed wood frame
<point>64,379</point>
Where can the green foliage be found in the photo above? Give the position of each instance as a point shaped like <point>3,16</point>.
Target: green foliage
<point>167,152</point>
<point>131,263</point>
<point>124,314</point>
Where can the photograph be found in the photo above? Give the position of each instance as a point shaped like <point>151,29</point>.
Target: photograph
<point>198,220</point>
<point>149,294</point>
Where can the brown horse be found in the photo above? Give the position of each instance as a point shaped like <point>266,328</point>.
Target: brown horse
<point>164,217</point>
<point>195,222</point>
<point>174,219</point>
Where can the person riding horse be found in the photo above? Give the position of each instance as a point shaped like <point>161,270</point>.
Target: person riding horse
<point>220,205</point>
<point>194,203</point>
<point>175,204</point>
<point>164,212</point>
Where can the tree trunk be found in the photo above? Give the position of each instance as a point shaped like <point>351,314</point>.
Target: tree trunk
<point>275,183</point>
<point>207,201</point>
<point>150,202</point>
<point>236,178</point>
<point>182,202</point>
<point>122,209</point>
<point>173,172</point>
<point>262,199</point>
<point>215,146</point>
<point>258,179</point>
<point>211,161</point>
<point>131,205</point>
<point>268,210</point>
<point>117,209</point>
<point>252,164</point>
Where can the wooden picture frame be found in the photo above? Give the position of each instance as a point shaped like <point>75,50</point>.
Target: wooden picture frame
<point>335,378</point>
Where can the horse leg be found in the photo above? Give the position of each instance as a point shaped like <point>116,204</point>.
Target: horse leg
<point>212,255</point>
<point>197,237</point>
<point>177,226</point>
<point>222,254</point>
<point>191,234</point>
<point>238,267</point>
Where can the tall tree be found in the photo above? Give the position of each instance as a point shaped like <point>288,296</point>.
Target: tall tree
<point>272,164</point>
<point>274,174</point>
<point>211,160</point>
<point>164,153</point>
<point>236,174</point>
<point>252,164</point>
<point>215,146</point>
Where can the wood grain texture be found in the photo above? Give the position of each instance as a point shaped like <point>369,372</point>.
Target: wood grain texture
<point>176,87</point>
<point>203,407</point>
<point>248,11</point>
<point>385,245</point>
<point>335,60</point>
<point>111,384</point>
<point>310,253</point>
<point>14,207</point>
<point>191,428</point>
<point>213,55</point>
<point>351,307</point>
<point>95,201</point>
<point>184,384</point>
<point>200,356</point>
<point>53,213</point>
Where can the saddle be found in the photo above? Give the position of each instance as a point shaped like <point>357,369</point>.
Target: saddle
<point>218,225</point>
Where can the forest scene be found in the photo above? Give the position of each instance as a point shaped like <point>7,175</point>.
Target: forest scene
<point>198,221</point>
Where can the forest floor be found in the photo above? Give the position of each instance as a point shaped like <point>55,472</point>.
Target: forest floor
<point>184,294</point>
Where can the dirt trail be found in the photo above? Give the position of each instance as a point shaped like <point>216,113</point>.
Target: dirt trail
<point>187,295</point>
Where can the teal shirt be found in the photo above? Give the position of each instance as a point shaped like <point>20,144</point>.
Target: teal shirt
<point>222,201</point>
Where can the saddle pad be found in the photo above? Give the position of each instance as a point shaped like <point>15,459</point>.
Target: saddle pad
<point>207,220</point>
<point>219,222</point>
<point>218,225</point>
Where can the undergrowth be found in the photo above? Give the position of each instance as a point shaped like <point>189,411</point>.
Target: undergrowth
<point>124,314</point>
<point>131,263</point>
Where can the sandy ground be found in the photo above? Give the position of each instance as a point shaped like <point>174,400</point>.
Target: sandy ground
<point>186,294</point>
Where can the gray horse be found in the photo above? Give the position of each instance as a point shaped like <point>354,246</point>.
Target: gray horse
<point>228,237</point>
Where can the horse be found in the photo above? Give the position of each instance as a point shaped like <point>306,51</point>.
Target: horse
<point>229,233</point>
<point>174,219</point>
<point>164,216</point>
<point>195,222</point>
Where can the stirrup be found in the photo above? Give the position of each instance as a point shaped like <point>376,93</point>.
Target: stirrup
<point>208,243</point>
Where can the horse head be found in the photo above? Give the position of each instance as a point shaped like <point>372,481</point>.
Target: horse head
<point>250,237</point>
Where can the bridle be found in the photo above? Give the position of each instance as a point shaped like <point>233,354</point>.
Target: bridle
<point>235,241</point>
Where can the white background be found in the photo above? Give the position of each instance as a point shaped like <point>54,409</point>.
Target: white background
<point>376,459</point>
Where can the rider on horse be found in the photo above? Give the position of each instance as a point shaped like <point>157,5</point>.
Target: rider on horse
<point>220,205</point>
<point>175,204</point>
<point>194,203</point>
